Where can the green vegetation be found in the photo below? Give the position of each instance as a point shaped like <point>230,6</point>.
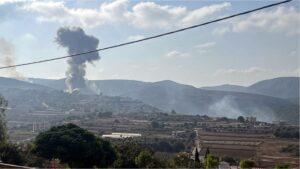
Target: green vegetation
<point>156,124</point>
<point>241,119</point>
<point>127,151</point>
<point>287,132</point>
<point>11,153</point>
<point>173,112</point>
<point>75,146</point>
<point>282,166</point>
<point>181,160</point>
<point>146,159</point>
<point>291,148</point>
<point>166,146</point>
<point>246,164</point>
<point>211,161</point>
<point>230,160</point>
<point>3,134</point>
<point>71,146</point>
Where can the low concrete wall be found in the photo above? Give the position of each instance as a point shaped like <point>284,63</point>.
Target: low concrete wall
<point>3,165</point>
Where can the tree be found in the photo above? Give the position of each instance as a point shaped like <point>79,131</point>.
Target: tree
<point>192,135</point>
<point>282,166</point>
<point>3,133</point>
<point>287,132</point>
<point>146,160</point>
<point>224,119</point>
<point>181,160</point>
<point>75,146</point>
<point>156,124</point>
<point>197,163</point>
<point>211,162</point>
<point>178,146</point>
<point>197,156</point>
<point>292,149</point>
<point>32,160</point>
<point>207,152</point>
<point>11,153</point>
<point>127,151</point>
<point>164,146</point>
<point>229,160</point>
<point>246,164</point>
<point>241,119</point>
<point>173,112</point>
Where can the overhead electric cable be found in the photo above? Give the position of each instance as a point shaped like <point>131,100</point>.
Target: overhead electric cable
<point>151,37</point>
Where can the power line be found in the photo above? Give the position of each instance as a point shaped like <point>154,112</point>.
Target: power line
<point>151,37</point>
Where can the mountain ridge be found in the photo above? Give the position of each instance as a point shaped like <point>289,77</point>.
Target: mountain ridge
<point>168,95</point>
<point>281,87</point>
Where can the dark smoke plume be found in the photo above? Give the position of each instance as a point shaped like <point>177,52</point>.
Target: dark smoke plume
<point>76,41</point>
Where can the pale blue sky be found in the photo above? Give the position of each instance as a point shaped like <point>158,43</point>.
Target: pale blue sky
<point>238,51</point>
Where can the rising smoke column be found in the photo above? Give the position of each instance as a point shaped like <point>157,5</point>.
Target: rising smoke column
<point>7,57</point>
<point>76,41</point>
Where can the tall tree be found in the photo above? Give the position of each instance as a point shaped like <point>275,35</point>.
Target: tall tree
<point>75,146</point>
<point>197,162</point>
<point>207,152</point>
<point>197,156</point>
<point>3,134</point>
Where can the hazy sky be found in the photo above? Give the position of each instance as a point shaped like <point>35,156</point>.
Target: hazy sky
<point>240,51</point>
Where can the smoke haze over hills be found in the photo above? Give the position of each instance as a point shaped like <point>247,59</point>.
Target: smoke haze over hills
<point>168,95</point>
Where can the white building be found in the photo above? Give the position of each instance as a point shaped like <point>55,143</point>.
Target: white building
<point>121,135</point>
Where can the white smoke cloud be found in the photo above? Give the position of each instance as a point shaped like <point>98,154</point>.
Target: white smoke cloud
<point>225,107</point>
<point>7,56</point>
<point>93,87</point>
